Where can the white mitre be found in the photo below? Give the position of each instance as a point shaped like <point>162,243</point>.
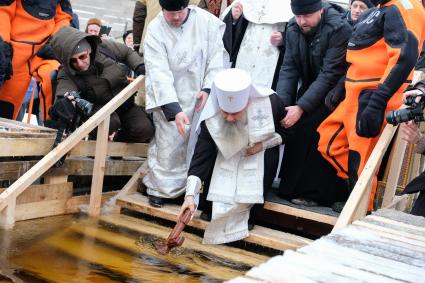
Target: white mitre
<point>230,92</point>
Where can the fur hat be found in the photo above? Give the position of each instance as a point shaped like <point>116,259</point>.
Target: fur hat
<point>304,7</point>
<point>368,3</point>
<point>173,5</point>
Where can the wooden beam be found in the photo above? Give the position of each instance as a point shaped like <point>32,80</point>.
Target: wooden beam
<point>73,204</point>
<point>87,148</point>
<point>289,210</point>
<point>395,164</point>
<point>259,235</point>
<point>12,170</point>
<point>7,216</point>
<point>25,147</point>
<point>41,146</point>
<point>7,197</point>
<point>55,179</point>
<point>40,193</point>
<point>362,188</point>
<point>16,135</point>
<point>28,127</point>
<point>84,167</point>
<point>99,168</point>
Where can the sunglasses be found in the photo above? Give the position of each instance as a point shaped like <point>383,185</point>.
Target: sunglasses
<point>79,58</point>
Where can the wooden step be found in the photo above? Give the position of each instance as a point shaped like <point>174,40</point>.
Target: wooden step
<point>318,213</point>
<point>302,213</point>
<point>259,235</point>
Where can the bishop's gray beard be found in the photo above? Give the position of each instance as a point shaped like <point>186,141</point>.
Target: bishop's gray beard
<point>237,130</point>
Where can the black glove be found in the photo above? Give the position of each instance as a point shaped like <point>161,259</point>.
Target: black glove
<point>335,95</point>
<point>63,110</point>
<point>369,121</point>
<point>6,56</point>
<point>140,70</point>
<point>46,52</point>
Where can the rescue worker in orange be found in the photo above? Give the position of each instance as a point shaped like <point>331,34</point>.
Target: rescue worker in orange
<point>27,26</point>
<point>382,53</point>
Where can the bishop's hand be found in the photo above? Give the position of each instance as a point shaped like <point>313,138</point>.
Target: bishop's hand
<point>181,121</point>
<point>189,202</point>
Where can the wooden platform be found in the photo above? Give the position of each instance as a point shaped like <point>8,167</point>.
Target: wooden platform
<point>387,246</point>
<point>259,235</point>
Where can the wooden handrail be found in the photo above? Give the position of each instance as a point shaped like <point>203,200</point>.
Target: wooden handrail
<point>357,203</point>
<point>8,197</point>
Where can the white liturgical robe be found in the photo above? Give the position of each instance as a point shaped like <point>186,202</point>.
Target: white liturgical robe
<point>180,62</point>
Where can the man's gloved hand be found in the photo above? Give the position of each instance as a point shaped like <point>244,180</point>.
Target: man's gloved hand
<point>6,56</point>
<point>63,110</point>
<point>46,52</point>
<point>335,95</point>
<point>370,120</point>
<point>140,70</point>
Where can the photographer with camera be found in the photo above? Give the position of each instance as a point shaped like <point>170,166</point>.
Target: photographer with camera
<point>89,78</point>
<point>411,133</point>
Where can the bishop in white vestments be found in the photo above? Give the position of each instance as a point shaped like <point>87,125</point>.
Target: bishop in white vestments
<point>183,51</point>
<point>236,154</point>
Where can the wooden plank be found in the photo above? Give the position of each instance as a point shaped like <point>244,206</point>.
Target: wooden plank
<point>396,223</point>
<point>259,235</point>
<point>40,209</point>
<point>389,230</point>
<point>17,124</point>
<point>362,187</point>
<point>40,193</point>
<point>25,147</point>
<point>84,167</point>
<point>87,148</point>
<point>15,135</point>
<point>99,168</point>
<point>55,179</point>
<point>41,146</point>
<point>285,209</point>
<point>12,170</point>
<point>8,215</point>
<point>65,146</point>
<point>396,163</point>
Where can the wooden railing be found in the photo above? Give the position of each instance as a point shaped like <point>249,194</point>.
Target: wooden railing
<point>101,120</point>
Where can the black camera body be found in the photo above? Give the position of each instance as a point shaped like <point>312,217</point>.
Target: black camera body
<point>84,106</point>
<point>412,113</point>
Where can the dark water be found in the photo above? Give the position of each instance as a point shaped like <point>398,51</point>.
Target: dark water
<point>112,249</point>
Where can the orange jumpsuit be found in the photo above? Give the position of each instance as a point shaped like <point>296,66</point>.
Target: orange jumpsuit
<point>382,53</point>
<point>27,25</point>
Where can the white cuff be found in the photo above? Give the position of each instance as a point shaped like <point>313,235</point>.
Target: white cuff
<point>193,186</point>
<point>273,141</point>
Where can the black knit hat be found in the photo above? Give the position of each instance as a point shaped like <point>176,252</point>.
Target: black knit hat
<point>368,3</point>
<point>304,7</point>
<point>173,5</point>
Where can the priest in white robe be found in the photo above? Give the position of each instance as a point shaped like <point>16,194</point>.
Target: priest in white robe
<point>254,37</point>
<point>183,51</point>
<point>236,154</point>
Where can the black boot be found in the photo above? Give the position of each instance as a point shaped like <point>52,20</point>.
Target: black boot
<point>156,201</point>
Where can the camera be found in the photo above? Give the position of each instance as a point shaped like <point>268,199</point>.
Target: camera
<point>413,112</point>
<point>84,106</point>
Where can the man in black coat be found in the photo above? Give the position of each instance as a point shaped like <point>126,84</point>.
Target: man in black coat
<point>316,43</point>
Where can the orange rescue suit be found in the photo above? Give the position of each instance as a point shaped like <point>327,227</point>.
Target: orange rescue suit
<point>27,25</point>
<point>382,53</point>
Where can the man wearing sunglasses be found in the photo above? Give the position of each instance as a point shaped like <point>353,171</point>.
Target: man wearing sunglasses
<point>90,67</point>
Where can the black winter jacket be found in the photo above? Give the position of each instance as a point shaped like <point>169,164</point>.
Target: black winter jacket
<point>327,58</point>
